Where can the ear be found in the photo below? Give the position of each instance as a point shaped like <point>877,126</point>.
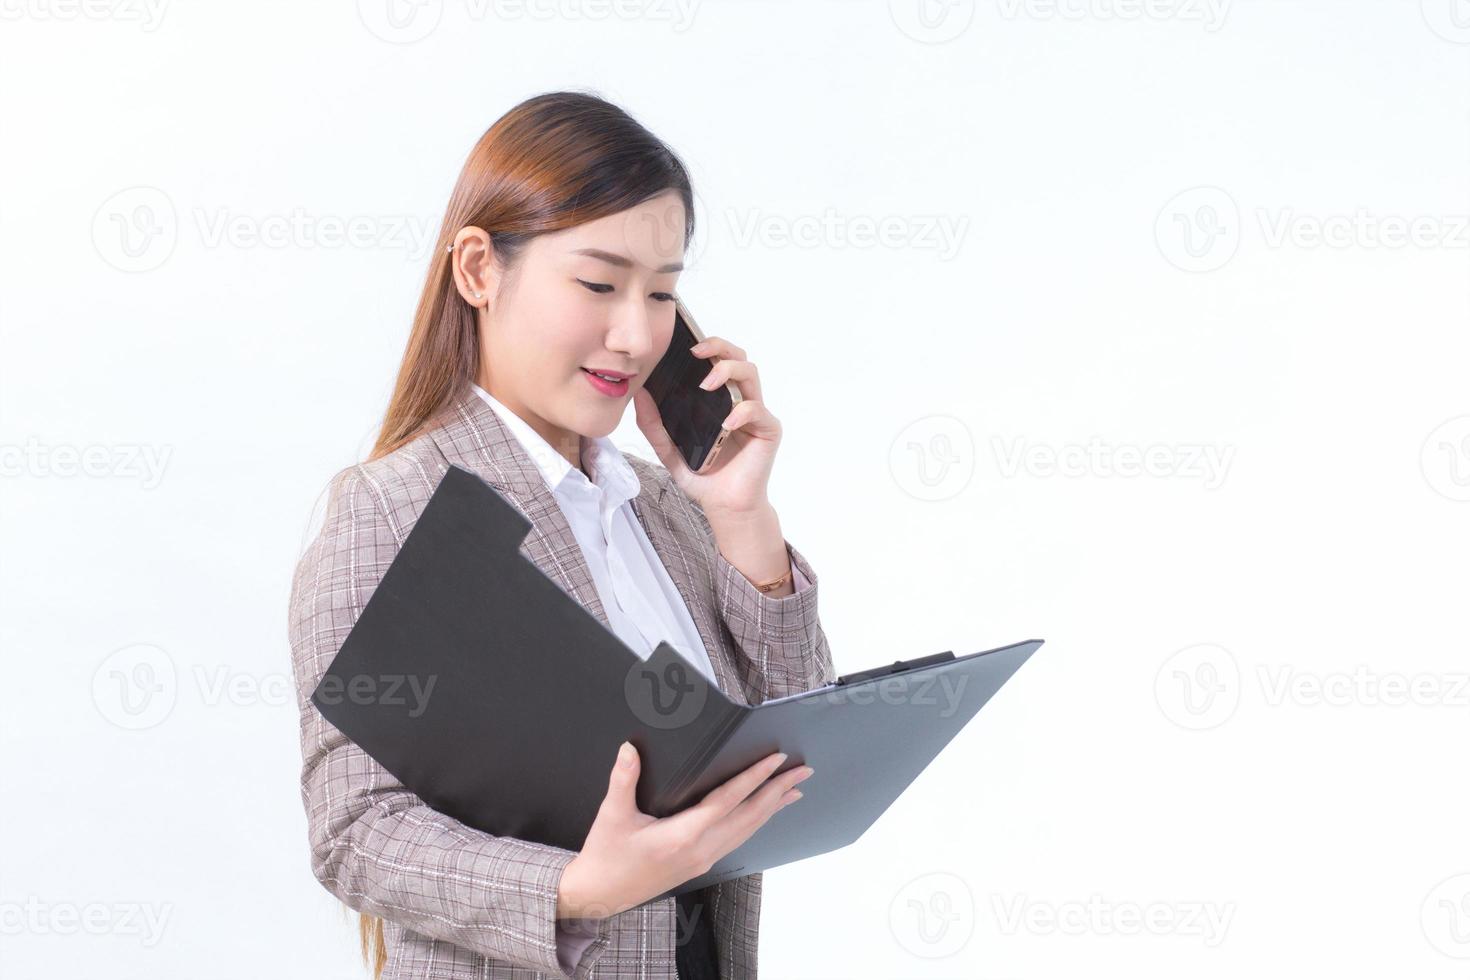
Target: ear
<point>472,262</point>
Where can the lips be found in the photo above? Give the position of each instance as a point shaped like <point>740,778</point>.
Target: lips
<point>614,375</point>
<point>615,389</point>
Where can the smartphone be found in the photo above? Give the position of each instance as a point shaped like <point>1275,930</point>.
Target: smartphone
<point>690,415</point>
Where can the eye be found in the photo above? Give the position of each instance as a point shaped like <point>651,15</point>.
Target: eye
<point>603,287</point>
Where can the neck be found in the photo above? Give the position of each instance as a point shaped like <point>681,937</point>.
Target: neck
<point>566,442</point>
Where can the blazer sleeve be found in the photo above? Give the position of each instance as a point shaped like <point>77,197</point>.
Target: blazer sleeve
<point>376,846</point>
<point>780,641</point>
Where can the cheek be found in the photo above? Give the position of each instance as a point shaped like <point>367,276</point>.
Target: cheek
<point>562,336</point>
<point>662,339</point>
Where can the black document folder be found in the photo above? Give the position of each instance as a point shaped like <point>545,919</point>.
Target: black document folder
<point>499,700</point>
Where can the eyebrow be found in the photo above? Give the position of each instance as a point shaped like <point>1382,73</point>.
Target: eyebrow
<point>623,262</point>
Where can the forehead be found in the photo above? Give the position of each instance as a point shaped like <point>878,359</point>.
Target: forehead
<point>650,236</point>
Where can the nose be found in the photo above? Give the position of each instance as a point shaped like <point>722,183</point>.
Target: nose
<point>632,333</point>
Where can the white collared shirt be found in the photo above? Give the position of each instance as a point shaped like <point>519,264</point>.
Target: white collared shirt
<point>642,605</point>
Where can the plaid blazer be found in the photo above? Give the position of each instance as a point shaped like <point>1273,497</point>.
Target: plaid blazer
<point>460,903</point>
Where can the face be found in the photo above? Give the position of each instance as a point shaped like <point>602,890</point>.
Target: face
<point>595,297</point>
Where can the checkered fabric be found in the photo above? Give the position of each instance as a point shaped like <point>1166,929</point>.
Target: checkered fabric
<point>459,903</point>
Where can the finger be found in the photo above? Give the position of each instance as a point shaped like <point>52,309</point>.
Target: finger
<point>718,802</point>
<point>719,347</point>
<point>753,812</point>
<point>742,373</point>
<point>754,419</point>
<point>622,782</point>
<point>645,411</point>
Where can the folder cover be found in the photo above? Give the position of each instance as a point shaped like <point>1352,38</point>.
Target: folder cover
<point>499,700</point>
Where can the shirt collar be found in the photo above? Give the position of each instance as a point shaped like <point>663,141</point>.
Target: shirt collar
<point>610,471</point>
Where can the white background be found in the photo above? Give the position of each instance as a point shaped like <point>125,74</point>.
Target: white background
<point>1176,227</point>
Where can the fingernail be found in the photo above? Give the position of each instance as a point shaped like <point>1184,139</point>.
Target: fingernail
<point>793,796</point>
<point>625,756</point>
<point>805,772</point>
<point>707,383</point>
<point>698,346</point>
<point>780,758</point>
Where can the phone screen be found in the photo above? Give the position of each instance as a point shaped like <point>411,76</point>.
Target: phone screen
<point>691,415</point>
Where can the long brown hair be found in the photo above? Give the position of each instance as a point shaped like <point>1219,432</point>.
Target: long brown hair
<point>554,161</point>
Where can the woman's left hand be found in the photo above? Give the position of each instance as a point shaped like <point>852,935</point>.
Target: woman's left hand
<point>736,484</point>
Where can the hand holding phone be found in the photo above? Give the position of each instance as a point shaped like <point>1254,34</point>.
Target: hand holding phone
<point>690,415</point>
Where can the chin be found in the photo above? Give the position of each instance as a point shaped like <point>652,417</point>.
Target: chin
<point>598,428</point>
<point>594,424</point>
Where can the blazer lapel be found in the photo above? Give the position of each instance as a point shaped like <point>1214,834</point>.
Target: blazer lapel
<point>689,568</point>
<point>472,436</point>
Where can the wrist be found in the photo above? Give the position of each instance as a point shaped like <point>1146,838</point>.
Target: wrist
<point>739,531</point>
<point>739,517</point>
<point>569,901</point>
<point>754,545</point>
<point>576,899</point>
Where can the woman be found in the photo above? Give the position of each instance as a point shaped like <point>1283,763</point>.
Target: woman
<point>555,262</point>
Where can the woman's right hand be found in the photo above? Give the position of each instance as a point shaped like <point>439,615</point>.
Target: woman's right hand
<point>629,857</point>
